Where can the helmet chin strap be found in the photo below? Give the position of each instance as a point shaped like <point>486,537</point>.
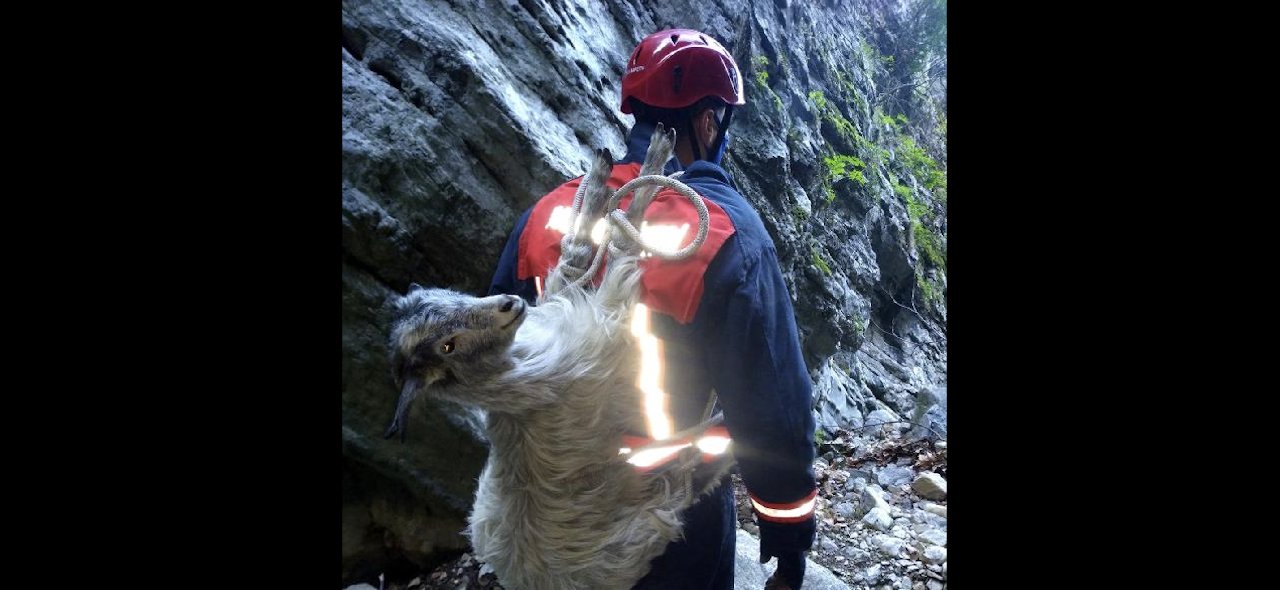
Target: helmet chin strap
<point>694,144</point>
<point>718,146</point>
<point>720,143</point>
<point>722,138</point>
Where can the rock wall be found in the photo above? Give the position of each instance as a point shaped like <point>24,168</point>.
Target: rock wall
<point>458,115</point>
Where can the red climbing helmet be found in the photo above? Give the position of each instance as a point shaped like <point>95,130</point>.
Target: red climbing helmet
<point>677,67</point>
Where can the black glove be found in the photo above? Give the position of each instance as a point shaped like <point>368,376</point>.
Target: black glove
<point>787,542</point>
<point>790,572</point>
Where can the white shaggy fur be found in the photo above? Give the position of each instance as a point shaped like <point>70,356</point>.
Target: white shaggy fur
<point>557,507</point>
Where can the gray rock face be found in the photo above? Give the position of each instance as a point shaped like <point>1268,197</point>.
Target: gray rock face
<point>890,546</point>
<point>878,518</point>
<point>934,537</point>
<point>750,574</point>
<point>838,405</point>
<point>885,420</point>
<point>457,116</point>
<point>931,414</point>
<point>931,486</point>
<point>873,498</point>
<point>935,554</point>
<point>894,475</point>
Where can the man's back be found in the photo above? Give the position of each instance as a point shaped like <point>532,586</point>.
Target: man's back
<point>725,322</point>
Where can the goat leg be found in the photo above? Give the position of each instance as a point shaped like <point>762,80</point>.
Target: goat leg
<point>661,146</point>
<point>576,250</point>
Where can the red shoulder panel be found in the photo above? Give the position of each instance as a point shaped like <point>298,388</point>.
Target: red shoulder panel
<point>675,287</point>
<point>672,288</point>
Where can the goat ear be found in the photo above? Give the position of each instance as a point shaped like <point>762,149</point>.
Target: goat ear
<point>414,287</point>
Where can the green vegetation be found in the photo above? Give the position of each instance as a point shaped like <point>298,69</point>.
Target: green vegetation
<point>844,166</point>
<point>878,155</point>
<point>841,165</point>
<point>830,114</point>
<point>762,75</point>
<point>820,263</point>
<point>920,163</point>
<point>915,209</point>
<point>874,56</point>
<point>929,243</point>
<point>904,192</point>
<point>784,64</point>
<point>762,79</point>
<point>898,118</point>
<point>857,101</point>
<point>843,126</point>
<point>928,291</point>
<point>890,149</point>
<point>926,240</point>
<point>846,83</point>
<point>819,100</point>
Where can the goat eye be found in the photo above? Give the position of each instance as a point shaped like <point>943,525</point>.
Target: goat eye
<point>447,347</point>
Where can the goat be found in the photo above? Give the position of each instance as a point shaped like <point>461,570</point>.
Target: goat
<point>557,507</point>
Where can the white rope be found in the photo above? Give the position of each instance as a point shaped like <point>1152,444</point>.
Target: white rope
<point>632,238</point>
<point>572,234</point>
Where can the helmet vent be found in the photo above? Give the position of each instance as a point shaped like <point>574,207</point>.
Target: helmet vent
<point>675,38</point>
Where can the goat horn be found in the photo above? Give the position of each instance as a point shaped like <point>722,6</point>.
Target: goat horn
<point>399,422</point>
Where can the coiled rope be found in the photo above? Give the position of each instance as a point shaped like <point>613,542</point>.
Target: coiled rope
<point>631,238</point>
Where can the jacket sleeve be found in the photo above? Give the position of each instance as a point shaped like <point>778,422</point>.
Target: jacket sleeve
<point>763,387</point>
<point>504,278</point>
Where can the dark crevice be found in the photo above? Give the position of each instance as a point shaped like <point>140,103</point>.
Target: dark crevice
<point>415,97</point>
<point>559,10</point>
<point>381,68</point>
<point>581,137</point>
<point>528,7</point>
<point>540,17</point>
<point>354,41</point>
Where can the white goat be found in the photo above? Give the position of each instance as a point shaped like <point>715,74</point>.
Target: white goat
<point>558,508</point>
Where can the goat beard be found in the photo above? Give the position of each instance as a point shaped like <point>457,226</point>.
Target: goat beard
<point>399,423</point>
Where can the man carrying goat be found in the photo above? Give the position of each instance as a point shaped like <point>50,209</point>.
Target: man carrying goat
<point>720,320</point>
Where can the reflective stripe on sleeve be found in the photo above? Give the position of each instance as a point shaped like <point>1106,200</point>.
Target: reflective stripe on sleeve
<point>797,511</point>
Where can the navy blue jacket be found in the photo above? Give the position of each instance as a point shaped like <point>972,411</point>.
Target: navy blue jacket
<point>742,341</point>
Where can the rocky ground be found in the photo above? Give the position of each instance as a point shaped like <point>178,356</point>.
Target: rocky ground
<point>882,512</point>
<point>882,519</point>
